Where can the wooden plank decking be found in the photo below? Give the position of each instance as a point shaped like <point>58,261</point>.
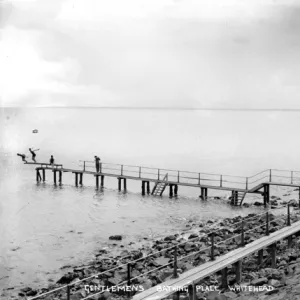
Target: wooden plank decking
<point>198,273</point>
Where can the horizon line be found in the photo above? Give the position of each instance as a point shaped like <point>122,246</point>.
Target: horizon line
<point>161,108</point>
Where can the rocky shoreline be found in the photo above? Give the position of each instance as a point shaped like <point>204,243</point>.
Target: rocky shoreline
<point>194,238</point>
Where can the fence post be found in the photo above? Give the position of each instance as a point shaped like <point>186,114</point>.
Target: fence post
<point>246,183</point>
<point>158,174</point>
<point>175,275</point>
<point>199,179</point>
<point>84,166</point>
<point>140,172</point>
<point>288,215</point>
<point>178,176</point>
<point>242,235</point>
<point>121,170</point>
<point>68,292</point>
<point>270,177</point>
<point>267,223</point>
<point>221,180</point>
<point>212,253</point>
<point>291,177</point>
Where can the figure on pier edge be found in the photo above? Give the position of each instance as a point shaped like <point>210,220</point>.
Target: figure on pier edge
<point>51,160</point>
<point>33,153</point>
<point>23,157</point>
<point>97,163</point>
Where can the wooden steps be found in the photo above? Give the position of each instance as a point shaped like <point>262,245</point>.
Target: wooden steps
<point>160,186</point>
<point>238,198</point>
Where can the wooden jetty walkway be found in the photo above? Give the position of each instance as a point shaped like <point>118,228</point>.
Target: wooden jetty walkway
<point>269,236</point>
<point>189,278</point>
<point>162,178</point>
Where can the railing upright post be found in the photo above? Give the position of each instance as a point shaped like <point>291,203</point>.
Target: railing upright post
<point>84,166</point>
<point>121,170</point>
<point>288,215</point>
<point>175,275</point>
<point>221,179</point>
<point>140,172</point>
<point>212,253</point>
<point>270,177</point>
<point>291,177</point>
<point>267,223</point>
<point>246,183</point>
<point>100,167</point>
<point>128,277</point>
<point>199,179</point>
<point>178,176</point>
<point>242,235</point>
<point>158,174</point>
<point>68,292</point>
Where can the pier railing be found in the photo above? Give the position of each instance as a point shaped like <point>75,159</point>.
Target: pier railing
<point>209,248</point>
<point>196,178</point>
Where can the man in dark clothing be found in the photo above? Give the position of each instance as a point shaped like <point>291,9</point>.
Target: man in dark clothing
<point>23,157</point>
<point>33,153</point>
<point>97,163</point>
<point>52,160</point>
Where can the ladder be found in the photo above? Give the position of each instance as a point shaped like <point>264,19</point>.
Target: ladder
<point>160,186</point>
<point>237,198</point>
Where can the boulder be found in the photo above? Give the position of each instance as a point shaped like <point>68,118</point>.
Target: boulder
<point>67,278</point>
<point>116,237</point>
<point>259,281</point>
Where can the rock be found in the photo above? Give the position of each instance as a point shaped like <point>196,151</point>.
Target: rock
<point>136,254</point>
<point>259,281</point>
<point>147,284</point>
<point>256,203</point>
<point>230,295</point>
<point>170,238</point>
<point>215,296</point>
<point>188,247</point>
<point>274,282</point>
<point>193,236</point>
<point>67,278</point>
<point>26,290</point>
<point>115,237</point>
<point>161,261</point>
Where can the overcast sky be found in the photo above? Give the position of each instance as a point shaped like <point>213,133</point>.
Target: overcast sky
<point>150,53</point>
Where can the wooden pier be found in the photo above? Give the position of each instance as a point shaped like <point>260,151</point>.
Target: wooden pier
<point>162,178</point>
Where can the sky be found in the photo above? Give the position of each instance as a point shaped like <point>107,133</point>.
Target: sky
<point>150,53</point>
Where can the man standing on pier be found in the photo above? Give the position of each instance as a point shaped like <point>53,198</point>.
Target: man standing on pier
<point>52,160</point>
<point>33,153</point>
<point>97,163</point>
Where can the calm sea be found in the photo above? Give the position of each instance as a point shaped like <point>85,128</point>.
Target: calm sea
<point>43,227</point>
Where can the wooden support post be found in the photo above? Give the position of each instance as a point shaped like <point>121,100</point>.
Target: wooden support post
<point>192,292</point>
<point>38,175</point>
<point>129,277</point>
<point>76,179</point>
<point>68,292</point>
<point>102,181</point>
<point>176,295</point>
<point>290,242</point>
<point>224,283</point>
<point>171,191</point>
<point>140,171</point>
<point>80,180</point>
<point>260,256</point>
<point>125,184</point>
<point>175,189</point>
<point>148,187</point>
<point>54,176</point>
<point>143,187</point>
<point>97,181</point>
<point>203,193</point>
<point>44,175</point>
<point>119,184</point>
<point>273,255</point>
<point>60,177</point>
<point>238,271</point>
